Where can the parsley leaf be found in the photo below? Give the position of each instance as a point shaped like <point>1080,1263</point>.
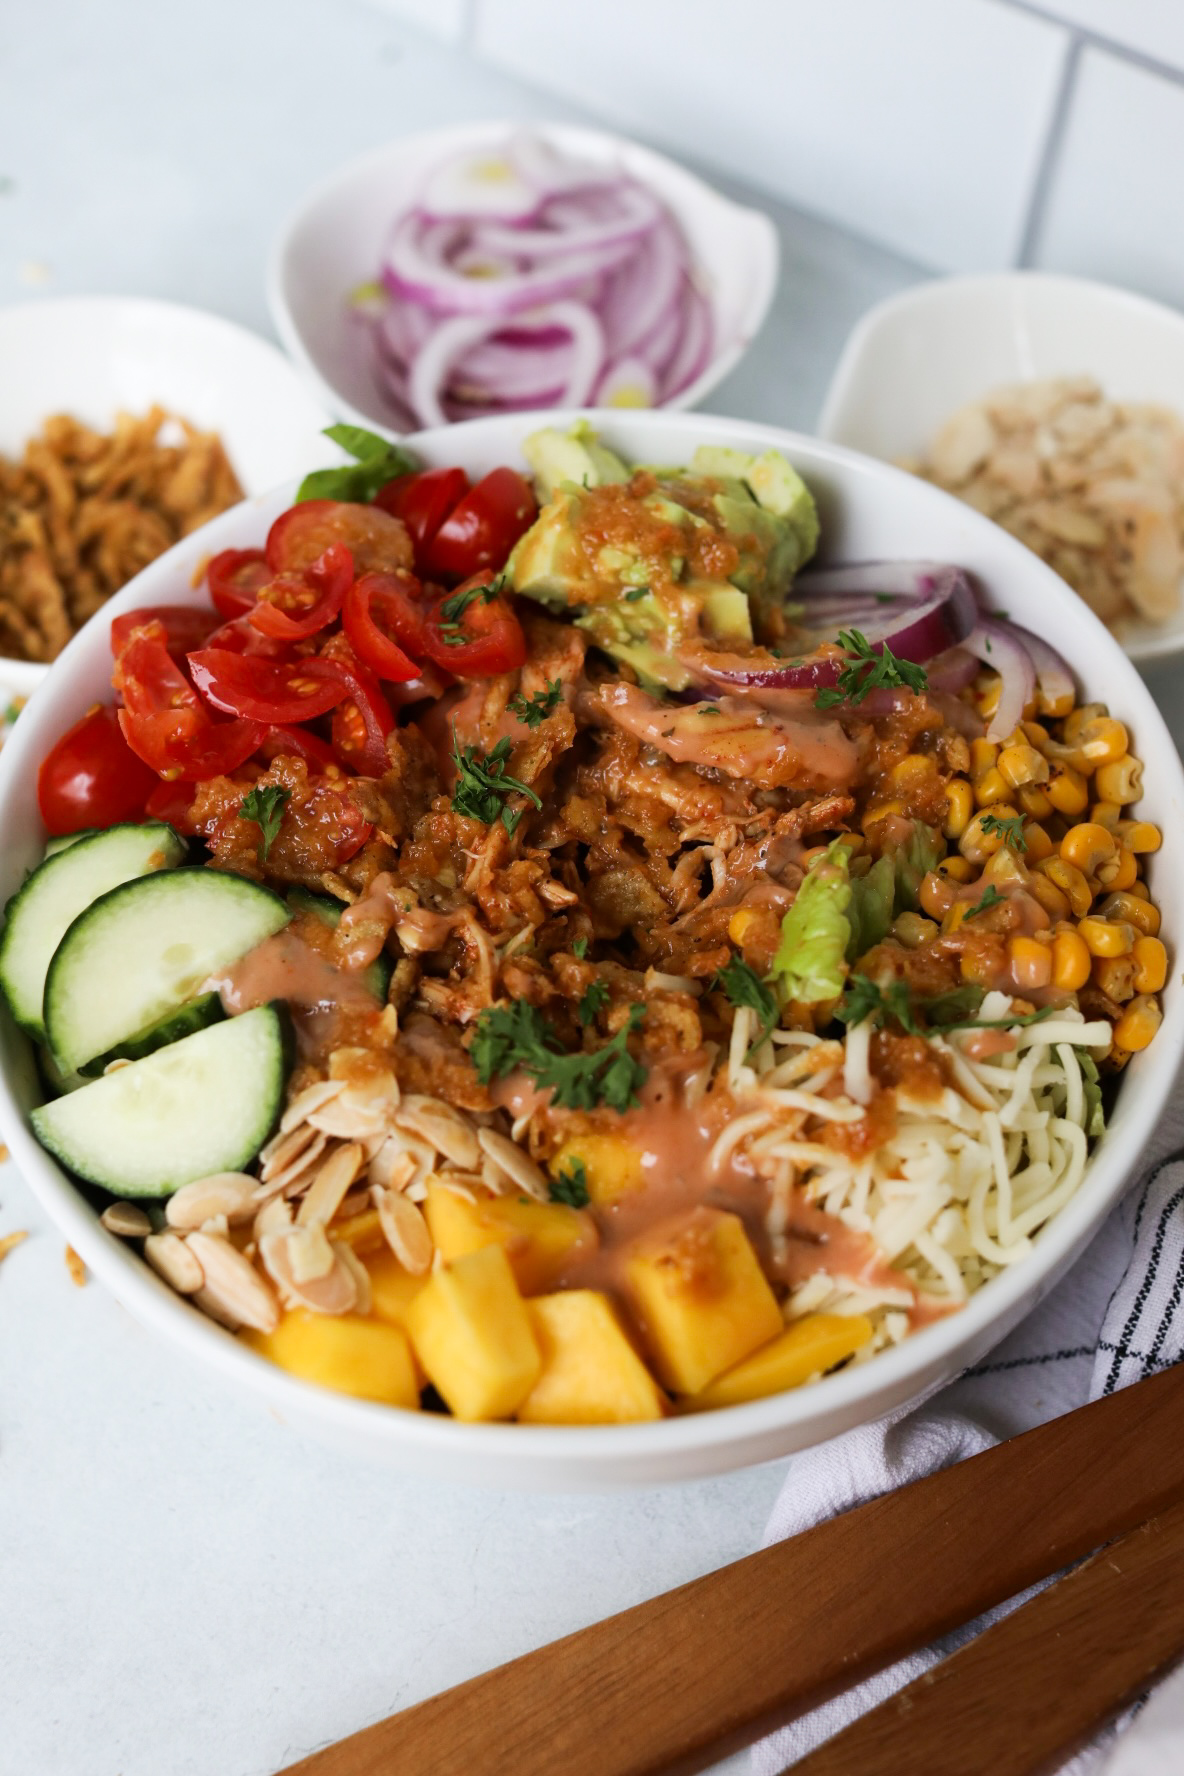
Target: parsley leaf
<point>482,785</point>
<point>634,593</point>
<point>579,948</point>
<point>571,1186</point>
<point>518,1035</point>
<point>454,608</point>
<point>744,986</point>
<point>869,669</point>
<point>377,461</point>
<point>535,709</point>
<point>862,998</point>
<point>991,898</point>
<point>896,1003</point>
<point>1010,828</point>
<point>596,997</point>
<point>266,808</point>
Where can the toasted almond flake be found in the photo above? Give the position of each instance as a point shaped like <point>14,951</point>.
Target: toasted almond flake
<point>126,1219</point>
<point>346,1256</point>
<point>440,1125</point>
<point>517,1165</point>
<point>275,1216</point>
<point>282,1152</point>
<point>417,1192</point>
<point>212,1306</point>
<point>173,1259</point>
<point>354,1202</point>
<point>76,1268</point>
<point>234,1283</point>
<point>311,1098</point>
<point>394,1166</point>
<point>405,1229</point>
<point>294,1176</point>
<point>309,1253</point>
<point>228,1195</point>
<point>350,1120</point>
<point>324,1195</point>
<point>11,1241</point>
<point>334,1293</point>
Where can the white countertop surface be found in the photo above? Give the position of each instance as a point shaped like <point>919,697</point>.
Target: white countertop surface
<point>186,1588</point>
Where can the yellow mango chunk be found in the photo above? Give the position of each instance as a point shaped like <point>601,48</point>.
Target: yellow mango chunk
<point>472,1335</point>
<point>348,1352</point>
<point>591,1372</point>
<point>810,1345</point>
<point>701,1297</point>
<point>540,1239</point>
<point>362,1231</point>
<point>612,1167</point>
<point>392,1289</point>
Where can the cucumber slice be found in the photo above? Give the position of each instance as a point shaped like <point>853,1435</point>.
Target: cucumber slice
<point>203,1105</point>
<point>63,841</point>
<point>61,888</point>
<point>142,950</point>
<point>321,906</point>
<point>174,1026</point>
<point>55,1081</point>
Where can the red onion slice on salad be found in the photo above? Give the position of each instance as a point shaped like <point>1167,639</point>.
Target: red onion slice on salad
<point>431,369</point>
<point>998,645</point>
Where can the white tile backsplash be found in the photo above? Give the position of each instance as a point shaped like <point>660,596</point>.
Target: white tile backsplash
<point>1154,27</point>
<point>1115,208</point>
<point>446,19</point>
<point>918,123</point>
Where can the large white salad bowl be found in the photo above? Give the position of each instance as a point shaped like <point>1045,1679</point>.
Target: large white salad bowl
<point>868,511</point>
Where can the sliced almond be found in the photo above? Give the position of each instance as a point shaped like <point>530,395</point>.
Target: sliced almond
<point>126,1219</point>
<point>405,1229</point>
<point>313,1097</point>
<point>212,1305</point>
<point>394,1166</point>
<point>172,1258</point>
<point>274,1216</point>
<point>310,1255</point>
<point>234,1283</point>
<point>517,1165</point>
<point>346,1255</point>
<point>327,1190</point>
<point>286,1150</point>
<point>229,1194</point>
<point>334,1293</point>
<point>440,1125</point>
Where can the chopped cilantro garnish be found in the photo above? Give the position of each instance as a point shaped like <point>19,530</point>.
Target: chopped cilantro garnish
<point>1010,828</point>
<point>708,709</point>
<point>869,669</point>
<point>266,808</point>
<point>596,997</point>
<point>571,1186</point>
<point>536,708</point>
<point>634,593</point>
<point>917,1016</point>
<point>991,898</point>
<point>579,948</point>
<point>744,986</point>
<point>454,608</point>
<point>518,1035</point>
<point>482,785</point>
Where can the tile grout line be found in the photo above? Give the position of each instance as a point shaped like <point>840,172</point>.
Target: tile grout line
<point>1087,38</point>
<point>1050,153</point>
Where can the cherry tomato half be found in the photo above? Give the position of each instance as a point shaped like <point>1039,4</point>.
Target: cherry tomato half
<point>294,606</point>
<point>242,637</point>
<point>482,529</point>
<point>423,501</point>
<point>164,721</point>
<point>300,536</point>
<point>386,622</point>
<point>234,577</point>
<point>91,777</point>
<point>173,803</point>
<point>186,626</point>
<point>298,743</point>
<point>271,691</point>
<point>473,636</point>
<point>362,722</point>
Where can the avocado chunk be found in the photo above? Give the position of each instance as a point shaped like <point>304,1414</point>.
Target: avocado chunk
<point>577,456</point>
<point>774,483</point>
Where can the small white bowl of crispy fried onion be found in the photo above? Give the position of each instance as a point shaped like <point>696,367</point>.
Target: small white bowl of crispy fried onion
<point>125,425</point>
<point>868,512</point>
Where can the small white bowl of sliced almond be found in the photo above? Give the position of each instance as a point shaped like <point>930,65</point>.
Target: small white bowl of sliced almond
<point>1052,404</point>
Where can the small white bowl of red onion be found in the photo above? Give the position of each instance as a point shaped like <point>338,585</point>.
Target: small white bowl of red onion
<point>491,269</point>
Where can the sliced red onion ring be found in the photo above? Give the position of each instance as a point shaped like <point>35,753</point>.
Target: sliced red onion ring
<point>431,368</point>
<point>900,579</point>
<point>951,672</point>
<point>418,269</point>
<point>1052,674</point>
<point>573,229</point>
<point>542,165</point>
<point>935,611</point>
<point>694,351</point>
<point>480,183</point>
<point>997,644</point>
<point>627,383</point>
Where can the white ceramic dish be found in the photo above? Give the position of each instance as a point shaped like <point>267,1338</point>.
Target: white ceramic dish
<point>868,510</point>
<point>334,242</point>
<point>914,359</point>
<point>90,356</point>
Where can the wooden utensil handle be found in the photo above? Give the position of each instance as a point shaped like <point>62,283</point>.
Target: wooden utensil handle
<point>676,1682</point>
<point>1034,1687</point>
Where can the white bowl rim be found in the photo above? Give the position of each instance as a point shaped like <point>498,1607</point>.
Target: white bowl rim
<point>763,288</point>
<point>934,293</point>
<point>596,1450</point>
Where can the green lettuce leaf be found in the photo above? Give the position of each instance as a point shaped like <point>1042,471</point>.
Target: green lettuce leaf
<point>1095,1116</point>
<point>873,897</point>
<point>810,963</point>
<point>913,860</point>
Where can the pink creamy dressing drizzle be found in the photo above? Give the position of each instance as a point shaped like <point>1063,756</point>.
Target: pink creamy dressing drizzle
<point>384,908</point>
<point>321,995</point>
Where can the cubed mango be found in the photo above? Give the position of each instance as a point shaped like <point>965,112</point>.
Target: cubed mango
<point>349,1352</point>
<point>807,1347</point>
<point>591,1372</point>
<point>701,1297</point>
<point>392,1289</point>
<point>612,1167</point>
<point>471,1333</point>
<point>540,1239</point>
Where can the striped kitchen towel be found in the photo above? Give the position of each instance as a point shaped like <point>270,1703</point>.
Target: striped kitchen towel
<point>1118,1316</point>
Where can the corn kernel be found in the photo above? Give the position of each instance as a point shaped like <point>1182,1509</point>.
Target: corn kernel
<point>1034,734</point>
<point>1070,961</point>
<point>1031,962</point>
<point>977,967</point>
<point>741,921</point>
<point>959,807</point>
<point>1079,718</point>
<point>1139,888</point>
<point>1106,937</point>
<point>1102,741</point>
<point>1037,843</point>
<point>976,843</point>
<point>1151,965</point>
<point>1005,867</point>
<point>1121,781</point>
<point>1114,976</point>
<point>1121,873</point>
<point>1138,1024</point>
<point>936,895</point>
<point>991,787</point>
<point>1138,836</point>
<point>1049,896</point>
<point>1107,814</point>
<point>1072,884</point>
<point>1021,765</point>
<point>955,869</point>
<point>1127,905</point>
<point>1087,845</point>
<point>1033,801</point>
<point>914,768</point>
<point>880,812</point>
<point>1067,790</point>
<point>983,754</point>
<point>955,916</point>
<point>987,690</point>
<point>913,930</point>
